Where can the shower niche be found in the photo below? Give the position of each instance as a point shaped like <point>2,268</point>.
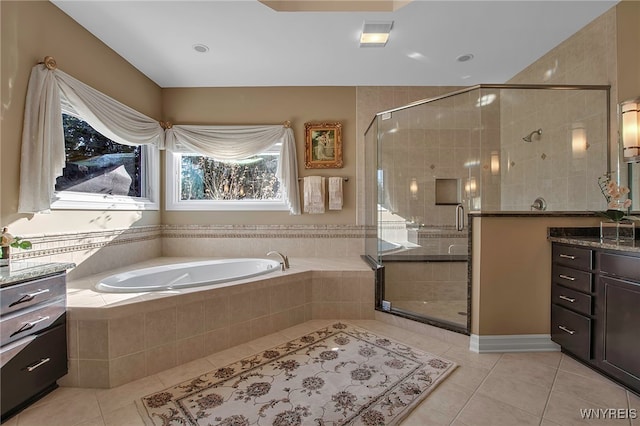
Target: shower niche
<point>431,163</point>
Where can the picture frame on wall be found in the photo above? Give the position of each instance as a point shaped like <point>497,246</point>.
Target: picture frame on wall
<point>323,145</point>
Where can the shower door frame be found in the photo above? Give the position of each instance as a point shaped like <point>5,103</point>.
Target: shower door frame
<point>378,264</point>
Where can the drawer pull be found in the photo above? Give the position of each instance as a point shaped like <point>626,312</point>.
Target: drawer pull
<point>567,256</point>
<point>29,325</point>
<point>566,330</point>
<point>29,297</point>
<point>38,364</point>
<point>567,277</point>
<point>568,299</point>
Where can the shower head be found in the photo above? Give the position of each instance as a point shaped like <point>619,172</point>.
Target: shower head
<point>530,135</point>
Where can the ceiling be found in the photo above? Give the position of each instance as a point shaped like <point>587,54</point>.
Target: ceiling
<point>251,44</point>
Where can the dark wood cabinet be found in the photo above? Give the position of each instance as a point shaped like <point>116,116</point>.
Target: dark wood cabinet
<point>595,311</point>
<point>33,336</point>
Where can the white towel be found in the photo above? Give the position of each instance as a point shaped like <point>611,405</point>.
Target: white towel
<point>335,193</point>
<point>314,194</point>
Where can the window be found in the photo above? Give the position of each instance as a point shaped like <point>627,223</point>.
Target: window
<point>100,173</point>
<point>197,182</point>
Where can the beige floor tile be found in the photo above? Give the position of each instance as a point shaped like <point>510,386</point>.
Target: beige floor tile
<point>564,409</point>
<point>127,415</point>
<point>423,416</point>
<point>572,366</point>
<point>547,422</point>
<point>468,377</point>
<point>550,359</point>
<point>482,410</point>
<point>448,398</point>
<point>523,368</point>
<point>13,421</point>
<point>608,394</point>
<point>113,399</point>
<point>81,408</point>
<point>267,342</point>
<point>634,404</point>
<point>517,392</point>
<point>63,393</point>
<point>465,357</point>
<point>184,372</point>
<point>230,355</point>
<point>97,421</point>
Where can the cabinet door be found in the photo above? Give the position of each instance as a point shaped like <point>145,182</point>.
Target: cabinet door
<point>617,330</point>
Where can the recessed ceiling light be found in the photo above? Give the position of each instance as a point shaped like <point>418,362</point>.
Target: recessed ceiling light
<point>464,58</point>
<point>201,48</point>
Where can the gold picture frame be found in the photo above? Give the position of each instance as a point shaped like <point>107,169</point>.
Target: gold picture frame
<point>323,145</point>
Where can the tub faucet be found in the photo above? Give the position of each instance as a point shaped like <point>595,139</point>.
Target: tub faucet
<point>285,260</point>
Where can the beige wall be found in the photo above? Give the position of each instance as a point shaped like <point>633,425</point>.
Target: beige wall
<point>511,289</point>
<point>628,32</point>
<point>271,105</point>
<point>32,30</point>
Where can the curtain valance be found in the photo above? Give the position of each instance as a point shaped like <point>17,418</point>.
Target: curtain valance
<point>238,142</point>
<point>51,91</point>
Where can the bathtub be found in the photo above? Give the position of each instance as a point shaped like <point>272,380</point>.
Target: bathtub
<point>189,274</point>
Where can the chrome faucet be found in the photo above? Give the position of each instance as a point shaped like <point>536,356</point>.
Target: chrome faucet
<point>284,259</point>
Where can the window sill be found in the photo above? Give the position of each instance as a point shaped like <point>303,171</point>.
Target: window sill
<point>197,205</point>
<point>84,201</point>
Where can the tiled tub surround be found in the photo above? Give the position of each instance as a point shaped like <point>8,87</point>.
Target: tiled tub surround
<point>97,251</point>
<point>118,338</point>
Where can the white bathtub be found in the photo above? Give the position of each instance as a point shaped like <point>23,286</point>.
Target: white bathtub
<point>190,274</point>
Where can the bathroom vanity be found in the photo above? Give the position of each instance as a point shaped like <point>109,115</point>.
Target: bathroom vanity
<point>33,336</point>
<point>595,305</point>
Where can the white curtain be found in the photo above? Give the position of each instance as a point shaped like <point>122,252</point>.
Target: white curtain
<point>43,156</point>
<point>43,149</point>
<point>238,142</point>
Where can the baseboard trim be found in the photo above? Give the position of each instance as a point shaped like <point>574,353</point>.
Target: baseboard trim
<point>512,343</point>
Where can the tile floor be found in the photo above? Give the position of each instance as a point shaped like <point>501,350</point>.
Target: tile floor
<point>510,389</point>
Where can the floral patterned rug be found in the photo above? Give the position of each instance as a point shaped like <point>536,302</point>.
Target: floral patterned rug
<point>338,375</point>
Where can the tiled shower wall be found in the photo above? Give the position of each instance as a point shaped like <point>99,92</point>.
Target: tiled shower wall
<point>99,251</point>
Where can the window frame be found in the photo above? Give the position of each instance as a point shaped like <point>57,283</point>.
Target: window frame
<point>174,203</point>
<point>150,185</point>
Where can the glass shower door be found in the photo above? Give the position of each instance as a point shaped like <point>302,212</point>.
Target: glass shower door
<point>429,177</point>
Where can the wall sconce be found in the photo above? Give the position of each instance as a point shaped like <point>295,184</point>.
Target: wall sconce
<point>413,188</point>
<point>578,139</point>
<point>629,127</point>
<point>495,163</point>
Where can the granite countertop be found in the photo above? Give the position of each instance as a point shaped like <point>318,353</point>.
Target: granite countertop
<point>19,271</point>
<point>590,237</point>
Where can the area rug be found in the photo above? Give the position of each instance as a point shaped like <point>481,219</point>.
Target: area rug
<point>338,375</point>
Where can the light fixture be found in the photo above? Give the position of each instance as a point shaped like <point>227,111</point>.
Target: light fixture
<point>200,48</point>
<point>465,58</point>
<point>578,139</point>
<point>495,163</point>
<point>629,129</point>
<point>375,33</point>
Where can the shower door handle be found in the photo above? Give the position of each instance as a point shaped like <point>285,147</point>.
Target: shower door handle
<point>459,217</point>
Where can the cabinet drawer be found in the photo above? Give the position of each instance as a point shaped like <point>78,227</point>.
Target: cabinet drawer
<point>571,331</point>
<point>572,278</point>
<point>619,265</point>
<point>22,296</point>
<point>574,257</point>
<point>25,322</point>
<point>571,299</point>
<point>34,369</point>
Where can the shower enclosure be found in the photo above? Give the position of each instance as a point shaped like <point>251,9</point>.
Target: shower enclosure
<point>488,148</point>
